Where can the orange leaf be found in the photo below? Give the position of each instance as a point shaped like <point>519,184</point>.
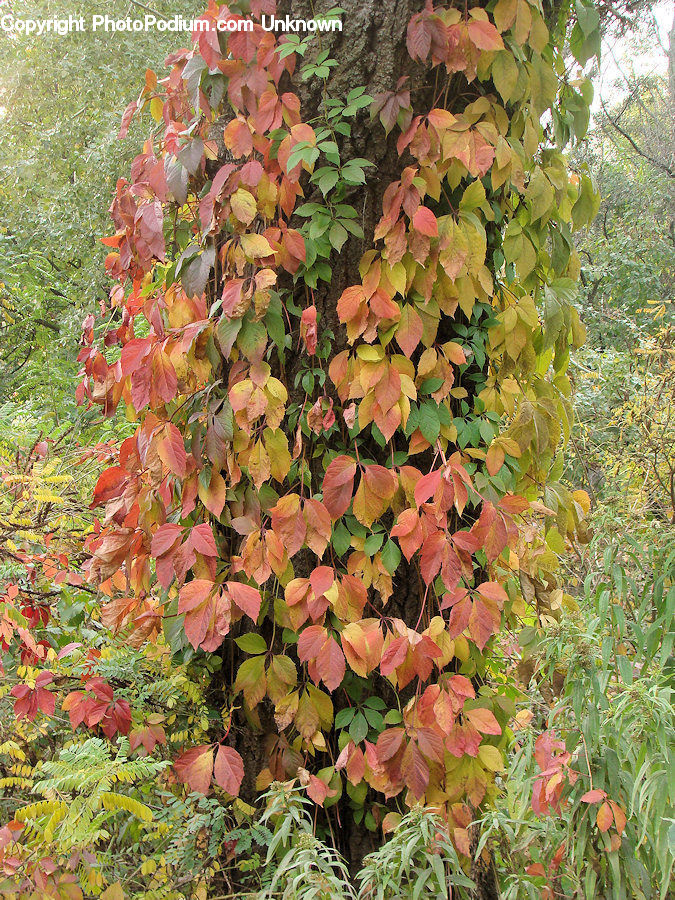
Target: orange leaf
<point>593,796</point>
<point>483,720</point>
<point>415,770</point>
<point>288,523</point>
<point>247,598</point>
<point>604,817</point>
<point>171,450</point>
<point>485,36</point>
<point>495,458</point>
<point>619,816</point>
<point>410,329</point>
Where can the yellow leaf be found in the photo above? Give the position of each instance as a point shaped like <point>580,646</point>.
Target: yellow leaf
<point>243,206</point>
<point>255,246</point>
<point>276,444</point>
<point>582,498</point>
<point>114,892</point>
<point>156,109</point>
<point>259,466</point>
<point>491,758</point>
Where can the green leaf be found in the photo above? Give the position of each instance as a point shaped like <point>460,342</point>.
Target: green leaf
<point>344,717</point>
<point>341,539</point>
<point>358,730</point>
<point>429,422</point>
<point>337,236</point>
<point>251,643</point>
<point>391,556</point>
<point>373,544</point>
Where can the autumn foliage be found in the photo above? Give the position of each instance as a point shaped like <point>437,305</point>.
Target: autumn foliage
<point>353,517</point>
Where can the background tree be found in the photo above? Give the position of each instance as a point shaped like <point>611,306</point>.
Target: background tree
<point>60,102</point>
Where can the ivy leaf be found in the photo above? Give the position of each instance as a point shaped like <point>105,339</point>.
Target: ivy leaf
<point>374,494</point>
<point>243,206</point>
<point>424,221</point>
<point>247,598</point>
<point>415,770</point>
<point>358,729</point>
<point>228,770</point>
<point>593,796</point>
<point>288,523</point>
<point>330,664</point>
<point>252,643</point>
<point>341,539</point>
<point>196,603</point>
<point>390,556</point>
<point>338,485</point>
<point>429,422</point>
<point>409,330</point>
<point>255,246</point>
<point>195,275</point>
<point>194,768</point>
<point>604,817</point>
<point>251,680</point>
<point>171,450</point>
<point>483,720</point>
<point>495,458</point>
<point>484,35</point>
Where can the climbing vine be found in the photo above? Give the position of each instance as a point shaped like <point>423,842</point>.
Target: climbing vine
<point>275,516</point>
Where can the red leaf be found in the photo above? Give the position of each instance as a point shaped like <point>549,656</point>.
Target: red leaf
<point>619,816</point>
<point>427,486</point>
<point>318,790</point>
<point>330,664</point>
<point>310,642</point>
<point>493,591</point>
<point>202,540</point>
<point>593,796</point>
<point>110,484</point>
<point>171,450</point>
<point>338,485</point>
<point>431,557</point>
<point>126,120</point>
<point>164,380</point>
<point>427,32</point>
<point>410,329</point>
<point>394,655</point>
<point>289,524</point>
<point>485,36</point>
<point>482,624</point>
<point>228,770</point>
<point>322,579</point>
<point>195,602</point>
<point>165,539</point>
<point>389,743</point>
<point>194,768</point>
<point>247,598</point>
<point>415,770</point>
<point>425,222</point>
